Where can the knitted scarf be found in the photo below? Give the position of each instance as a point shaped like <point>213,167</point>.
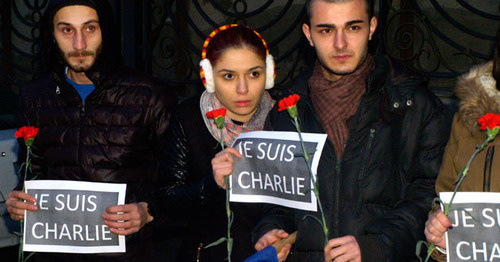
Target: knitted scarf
<point>209,102</point>
<point>337,101</point>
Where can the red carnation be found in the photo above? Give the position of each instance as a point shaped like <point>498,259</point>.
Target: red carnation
<point>28,133</point>
<point>288,102</point>
<point>218,116</point>
<point>489,120</point>
<point>221,112</point>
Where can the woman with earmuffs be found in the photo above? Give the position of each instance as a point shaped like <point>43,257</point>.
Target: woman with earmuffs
<point>236,68</point>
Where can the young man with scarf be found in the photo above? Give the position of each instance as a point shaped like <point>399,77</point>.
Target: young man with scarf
<point>386,135</point>
<point>99,121</point>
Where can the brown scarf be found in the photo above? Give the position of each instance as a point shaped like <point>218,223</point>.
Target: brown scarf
<point>337,101</point>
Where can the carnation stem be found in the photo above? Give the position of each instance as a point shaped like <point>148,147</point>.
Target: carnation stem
<point>313,180</point>
<point>461,178</point>
<point>20,257</point>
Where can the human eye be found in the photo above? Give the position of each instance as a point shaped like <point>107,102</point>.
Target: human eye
<point>228,76</point>
<point>254,74</point>
<point>66,30</point>
<point>325,30</point>
<point>354,28</point>
<point>92,28</point>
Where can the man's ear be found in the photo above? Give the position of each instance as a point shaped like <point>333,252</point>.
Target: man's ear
<point>307,32</point>
<point>373,26</point>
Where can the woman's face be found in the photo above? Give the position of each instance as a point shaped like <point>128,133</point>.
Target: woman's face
<point>240,77</point>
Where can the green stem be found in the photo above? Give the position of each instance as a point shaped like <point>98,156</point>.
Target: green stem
<point>313,180</point>
<point>229,240</point>
<point>20,257</point>
<point>447,207</point>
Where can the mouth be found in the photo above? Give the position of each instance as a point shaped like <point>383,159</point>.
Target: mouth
<point>242,103</point>
<point>341,58</point>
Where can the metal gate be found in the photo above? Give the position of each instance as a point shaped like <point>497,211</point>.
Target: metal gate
<point>439,38</point>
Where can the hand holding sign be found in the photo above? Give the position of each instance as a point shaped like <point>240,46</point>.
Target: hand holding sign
<point>435,227</point>
<point>127,219</point>
<point>16,206</point>
<point>69,217</point>
<point>222,165</point>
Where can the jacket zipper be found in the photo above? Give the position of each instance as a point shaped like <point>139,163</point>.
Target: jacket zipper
<point>368,147</point>
<point>487,169</point>
<point>337,197</point>
<point>371,136</point>
<point>82,114</point>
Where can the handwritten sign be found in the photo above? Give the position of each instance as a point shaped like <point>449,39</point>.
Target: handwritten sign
<point>475,218</point>
<point>69,217</point>
<point>273,170</point>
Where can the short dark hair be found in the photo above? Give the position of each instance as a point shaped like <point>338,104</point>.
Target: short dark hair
<point>496,60</point>
<point>369,7</point>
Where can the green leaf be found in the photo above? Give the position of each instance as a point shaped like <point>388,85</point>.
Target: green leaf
<point>418,249</point>
<point>221,240</point>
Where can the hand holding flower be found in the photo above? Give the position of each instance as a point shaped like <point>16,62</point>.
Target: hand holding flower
<point>435,227</point>
<point>222,165</point>
<point>491,124</point>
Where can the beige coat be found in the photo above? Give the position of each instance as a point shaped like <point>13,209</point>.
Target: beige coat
<point>478,95</point>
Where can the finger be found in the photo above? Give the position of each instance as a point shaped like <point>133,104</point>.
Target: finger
<point>233,151</point>
<point>443,219</point>
<point>285,251</point>
<point>337,252</point>
<point>280,233</point>
<point>15,204</point>
<point>19,195</point>
<point>122,208</point>
<point>120,225</point>
<point>118,217</point>
<point>124,231</point>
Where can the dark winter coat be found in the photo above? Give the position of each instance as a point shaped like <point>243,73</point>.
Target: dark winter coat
<point>382,188</point>
<point>192,194</point>
<point>115,135</point>
<point>478,96</point>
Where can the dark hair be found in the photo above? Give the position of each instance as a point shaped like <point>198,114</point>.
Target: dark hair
<point>234,37</point>
<point>369,7</point>
<point>496,60</point>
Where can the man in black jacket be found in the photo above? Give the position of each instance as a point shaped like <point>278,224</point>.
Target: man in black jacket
<point>99,121</point>
<point>386,135</point>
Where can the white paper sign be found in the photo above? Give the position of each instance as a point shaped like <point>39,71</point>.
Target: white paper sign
<point>273,170</point>
<point>69,217</point>
<point>475,232</point>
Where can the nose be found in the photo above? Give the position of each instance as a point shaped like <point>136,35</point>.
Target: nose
<point>79,41</point>
<point>340,41</point>
<point>242,87</point>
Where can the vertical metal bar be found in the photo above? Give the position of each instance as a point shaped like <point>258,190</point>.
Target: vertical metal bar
<point>128,22</point>
<point>146,36</point>
<point>382,21</point>
<point>6,38</point>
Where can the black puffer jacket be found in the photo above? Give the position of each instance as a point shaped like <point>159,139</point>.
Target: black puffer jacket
<point>382,188</point>
<point>115,135</point>
<point>191,193</point>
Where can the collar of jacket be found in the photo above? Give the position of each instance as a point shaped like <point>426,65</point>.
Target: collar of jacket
<point>97,77</point>
<point>393,80</point>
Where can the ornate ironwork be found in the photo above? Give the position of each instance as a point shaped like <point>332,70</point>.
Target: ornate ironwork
<point>20,41</point>
<point>441,39</point>
<point>180,28</point>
